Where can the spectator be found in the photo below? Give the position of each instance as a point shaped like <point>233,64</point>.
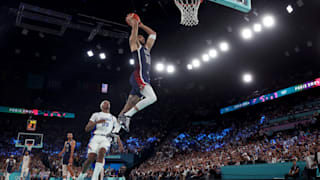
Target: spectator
<point>311,166</point>
<point>294,171</point>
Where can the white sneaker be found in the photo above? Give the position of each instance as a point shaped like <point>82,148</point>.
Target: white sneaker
<point>125,122</point>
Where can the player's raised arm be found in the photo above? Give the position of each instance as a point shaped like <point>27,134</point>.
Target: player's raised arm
<point>152,35</point>
<point>133,40</point>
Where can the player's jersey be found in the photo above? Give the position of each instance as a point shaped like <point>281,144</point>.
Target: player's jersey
<point>10,165</point>
<point>142,62</point>
<point>67,152</point>
<point>103,128</point>
<point>67,145</point>
<point>25,161</point>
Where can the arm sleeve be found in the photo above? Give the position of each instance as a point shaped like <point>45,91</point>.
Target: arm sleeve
<point>153,36</point>
<point>93,117</point>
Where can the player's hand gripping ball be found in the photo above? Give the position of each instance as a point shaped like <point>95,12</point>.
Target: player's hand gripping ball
<point>134,17</point>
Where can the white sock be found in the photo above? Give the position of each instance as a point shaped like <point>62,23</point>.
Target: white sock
<point>97,169</point>
<point>131,112</point>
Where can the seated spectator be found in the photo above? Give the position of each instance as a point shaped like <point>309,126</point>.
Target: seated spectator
<point>294,171</point>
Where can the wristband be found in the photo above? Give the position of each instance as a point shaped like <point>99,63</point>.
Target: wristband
<point>153,36</point>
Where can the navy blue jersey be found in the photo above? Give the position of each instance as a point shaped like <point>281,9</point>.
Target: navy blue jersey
<point>10,165</point>
<point>67,152</point>
<point>141,75</point>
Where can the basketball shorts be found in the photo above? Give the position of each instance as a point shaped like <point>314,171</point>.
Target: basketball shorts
<point>97,142</point>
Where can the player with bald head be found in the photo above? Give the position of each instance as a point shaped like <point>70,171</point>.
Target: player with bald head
<point>102,125</point>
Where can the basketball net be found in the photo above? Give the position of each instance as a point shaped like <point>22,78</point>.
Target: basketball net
<point>29,147</point>
<point>189,11</point>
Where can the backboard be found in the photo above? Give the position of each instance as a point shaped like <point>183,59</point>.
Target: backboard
<point>34,139</point>
<point>240,5</point>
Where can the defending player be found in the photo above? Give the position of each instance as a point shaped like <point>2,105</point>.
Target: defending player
<point>25,165</point>
<point>9,165</point>
<point>140,78</point>
<point>68,150</point>
<point>102,125</point>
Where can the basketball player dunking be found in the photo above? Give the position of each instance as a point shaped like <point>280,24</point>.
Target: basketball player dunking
<point>68,150</point>
<point>140,78</point>
<point>25,165</point>
<point>102,125</point>
<point>9,165</point>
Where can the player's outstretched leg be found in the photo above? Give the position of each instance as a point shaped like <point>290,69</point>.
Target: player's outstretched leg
<point>149,98</point>
<point>99,164</point>
<point>86,165</point>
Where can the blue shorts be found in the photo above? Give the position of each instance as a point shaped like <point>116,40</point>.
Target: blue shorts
<point>66,159</point>
<point>136,83</point>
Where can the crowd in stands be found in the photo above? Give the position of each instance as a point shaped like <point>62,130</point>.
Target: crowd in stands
<point>197,152</point>
<point>185,147</point>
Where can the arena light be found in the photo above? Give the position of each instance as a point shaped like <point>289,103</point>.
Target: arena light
<point>90,53</point>
<point>170,69</point>
<point>268,21</point>
<point>160,67</point>
<point>205,57</point>
<point>102,56</point>
<point>246,33</point>
<point>289,9</point>
<point>196,63</point>
<point>247,78</point>
<point>257,27</point>
<point>189,67</point>
<point>131,61</point>
<point>224,46</point>
<point>213,53</point>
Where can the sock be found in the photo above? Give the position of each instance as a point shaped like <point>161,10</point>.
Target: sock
<point>97,169</point>
<point>81,176</point>
<point>131,112</point>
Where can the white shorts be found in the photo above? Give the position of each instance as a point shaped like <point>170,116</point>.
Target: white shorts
<point>64,170</point>
<point>24,172</point>
<point>97,142</point>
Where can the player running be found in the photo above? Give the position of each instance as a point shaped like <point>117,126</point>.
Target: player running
<point>9,165</point>
<point>25,165</point>
<point>68,150</point>
<point>102,125</point>
<point>140,77</point>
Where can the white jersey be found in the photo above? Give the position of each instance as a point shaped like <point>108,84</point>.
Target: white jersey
<point>25,161</point>
<point>107,127</point>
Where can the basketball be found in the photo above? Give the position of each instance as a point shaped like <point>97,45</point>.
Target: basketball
<point>134,16</point>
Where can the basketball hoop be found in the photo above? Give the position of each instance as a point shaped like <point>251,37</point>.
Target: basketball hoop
<point>189,11</point>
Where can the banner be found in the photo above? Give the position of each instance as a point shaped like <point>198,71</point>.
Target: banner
<point>36,112</point>
<point>272,96</point>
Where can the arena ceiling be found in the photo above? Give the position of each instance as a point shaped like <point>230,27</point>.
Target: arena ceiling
<point>269,56</point>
